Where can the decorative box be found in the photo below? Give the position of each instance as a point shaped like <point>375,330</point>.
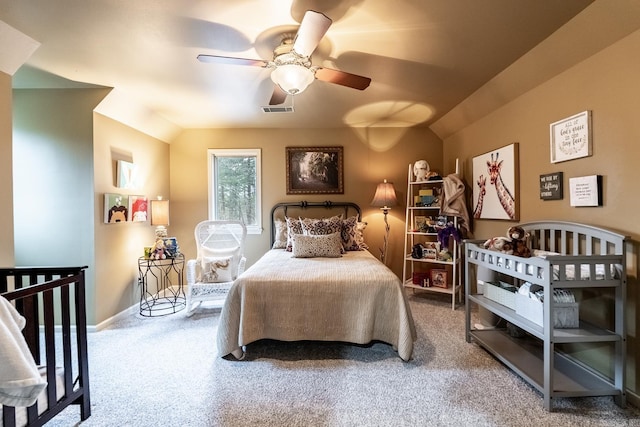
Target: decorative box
<point>502,293</point>
<point>420,278</point>
<point>565,314</point>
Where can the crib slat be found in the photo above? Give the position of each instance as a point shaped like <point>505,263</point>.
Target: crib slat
<point>66,337</point>
<point>83,359</point>
<point>50,345</point>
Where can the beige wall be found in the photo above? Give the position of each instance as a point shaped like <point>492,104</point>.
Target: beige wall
<point>6,169</point>
<point>370,155</point>
<point>606,84</point>
<point>118,246</point>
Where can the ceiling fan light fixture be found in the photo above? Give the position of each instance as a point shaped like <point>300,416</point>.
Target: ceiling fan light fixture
<point>292,78</point>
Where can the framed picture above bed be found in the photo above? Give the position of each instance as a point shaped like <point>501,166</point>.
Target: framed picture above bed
<point>495,184</point>
<point>314,170</point>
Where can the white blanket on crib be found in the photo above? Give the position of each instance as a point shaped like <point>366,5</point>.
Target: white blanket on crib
<point>20,381</point>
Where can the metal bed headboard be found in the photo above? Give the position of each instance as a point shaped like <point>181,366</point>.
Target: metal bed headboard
<point>284,206</point>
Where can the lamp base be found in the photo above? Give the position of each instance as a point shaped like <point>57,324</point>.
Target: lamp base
<point>385,244</point>
<point>161,231</point>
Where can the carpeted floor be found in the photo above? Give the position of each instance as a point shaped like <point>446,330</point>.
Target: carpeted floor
<point>165,372</point>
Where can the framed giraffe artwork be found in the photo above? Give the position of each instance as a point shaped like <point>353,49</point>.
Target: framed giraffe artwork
<point>496,184</point>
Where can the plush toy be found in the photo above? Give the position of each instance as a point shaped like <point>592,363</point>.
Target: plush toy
<point>157,252</point>
<point>520,241</point>
<point>446,232</point>
<point>499,244</point>
<point>421,170</point>
<point>445,255</point>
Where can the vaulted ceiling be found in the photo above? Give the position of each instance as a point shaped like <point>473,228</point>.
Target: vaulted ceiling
<point>424,56</point>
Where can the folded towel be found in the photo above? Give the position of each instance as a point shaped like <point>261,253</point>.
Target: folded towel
<point>20,381</point>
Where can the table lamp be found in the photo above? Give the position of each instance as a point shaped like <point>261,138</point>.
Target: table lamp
<point>160,216</point>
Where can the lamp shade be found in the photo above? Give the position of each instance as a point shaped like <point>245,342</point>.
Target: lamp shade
<point>159,212</point>
<point>385,196</point>
<point>160,216</point>
<point>292,78</point>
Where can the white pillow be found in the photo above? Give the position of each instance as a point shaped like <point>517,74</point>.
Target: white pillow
<point>217,269</point>
<point>280,241</point>
<point>317,246</point>
<point>213,263</point>
<point>293,227</point>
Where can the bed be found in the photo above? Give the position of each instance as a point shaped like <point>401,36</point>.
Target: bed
<point>573,265</point>
<point>53,336</point>
<point>351,298</point>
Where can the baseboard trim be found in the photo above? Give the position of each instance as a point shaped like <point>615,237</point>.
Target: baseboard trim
<point>118,316</point>
<point>633,398</point>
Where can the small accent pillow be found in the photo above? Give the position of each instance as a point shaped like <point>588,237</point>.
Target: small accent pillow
<point>219,257</point>
<point>352,234</point>
<point>217,270</point>
<point>293,227</point>
<point>280,241</point>
<point>321,226</point>
<point>317,246</point>
<point>360,236</point>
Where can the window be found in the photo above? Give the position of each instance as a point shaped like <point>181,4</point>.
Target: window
<point>234,186</point>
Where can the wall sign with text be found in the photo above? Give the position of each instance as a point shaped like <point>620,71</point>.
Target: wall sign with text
<point>571,138</point>
<point>551,186</point>
<point>586,190</point>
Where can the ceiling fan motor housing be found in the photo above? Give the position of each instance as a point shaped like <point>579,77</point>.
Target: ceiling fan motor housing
<point>293,72</point>
<point>284,54</point>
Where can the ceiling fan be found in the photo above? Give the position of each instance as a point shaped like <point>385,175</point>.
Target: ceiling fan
<point>292,70</point>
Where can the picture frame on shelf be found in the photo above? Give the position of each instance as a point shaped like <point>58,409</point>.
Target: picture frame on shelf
<point>431,250</point>
<point>171,247</point>
<point>439,278</point>
<point>420,223</point>
<point>315,170</point>
<point>496,184</point>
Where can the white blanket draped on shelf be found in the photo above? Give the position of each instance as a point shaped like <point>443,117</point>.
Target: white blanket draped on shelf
<point>20,380</point>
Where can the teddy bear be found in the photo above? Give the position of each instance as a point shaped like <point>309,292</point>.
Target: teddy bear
<point>421,170</point>
<point>499,244</point>
<point>520,241</point>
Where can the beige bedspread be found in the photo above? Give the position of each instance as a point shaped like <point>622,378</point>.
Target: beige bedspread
<point>354,299</point>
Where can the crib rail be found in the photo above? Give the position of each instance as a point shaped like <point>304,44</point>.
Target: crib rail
<point>559,270</point>
<point>52,298</point>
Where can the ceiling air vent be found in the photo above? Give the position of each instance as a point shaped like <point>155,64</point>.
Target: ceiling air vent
<point>277,109</point>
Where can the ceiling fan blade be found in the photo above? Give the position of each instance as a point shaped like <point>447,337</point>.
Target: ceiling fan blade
<point>343,78</point>
<point>232,61</point>
<point>278,97</point>
<point>313,27</point>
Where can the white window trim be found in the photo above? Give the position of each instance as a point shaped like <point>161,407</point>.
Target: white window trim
<point>212,153</point>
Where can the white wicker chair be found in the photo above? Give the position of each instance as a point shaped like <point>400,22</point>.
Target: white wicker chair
<point>220,260</point>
